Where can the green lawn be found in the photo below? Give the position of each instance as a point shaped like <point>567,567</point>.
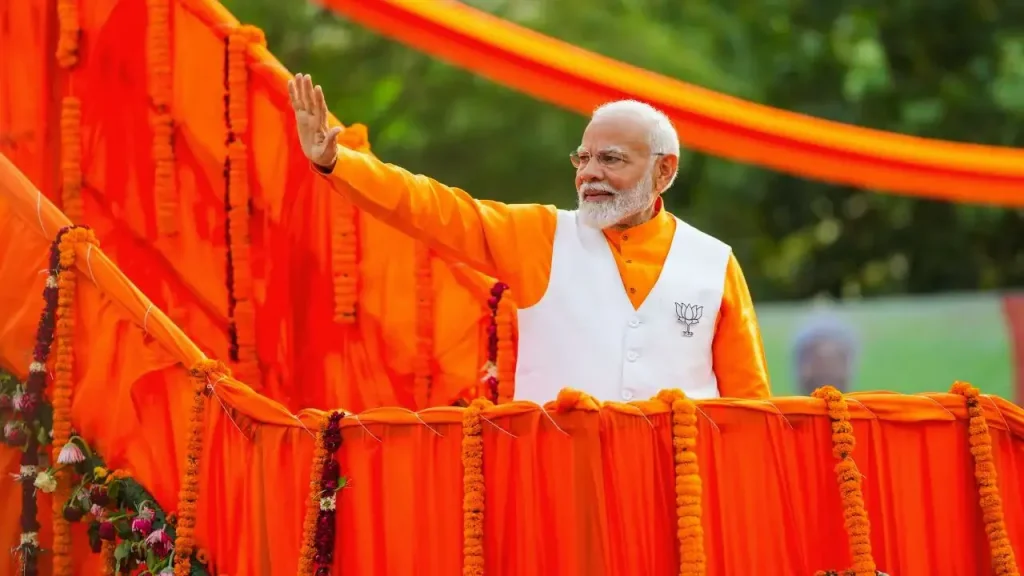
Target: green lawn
<point>907,344</point>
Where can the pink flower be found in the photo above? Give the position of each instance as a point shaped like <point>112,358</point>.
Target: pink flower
<point>142,525</point>
<point>14,433</point>
<point>70,454</point>
<point>25,402</point>
<point>159,542</point>
<point>96,511</point>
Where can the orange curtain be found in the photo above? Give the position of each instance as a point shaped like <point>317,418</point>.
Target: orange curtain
<point>579,491</point>
<point>180,257</point>
<point>579,80</point>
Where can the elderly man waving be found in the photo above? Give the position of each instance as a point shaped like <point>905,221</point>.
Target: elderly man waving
<point>617,298</point>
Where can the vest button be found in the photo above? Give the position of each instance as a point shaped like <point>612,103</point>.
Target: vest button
<point>632,356</point>
<point>627,395</point>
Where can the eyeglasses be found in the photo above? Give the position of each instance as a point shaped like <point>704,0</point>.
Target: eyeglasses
<point>607,160</point>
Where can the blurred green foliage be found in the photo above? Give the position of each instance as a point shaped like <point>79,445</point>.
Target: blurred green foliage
<point>951,69</point>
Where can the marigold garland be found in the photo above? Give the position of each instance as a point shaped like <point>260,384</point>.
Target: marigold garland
<point>424,361</point>
<point>241,308</point>
<point>319,527</point>
<point>858,528</point>
<point>506,354</point>
<point>188,493</point>
<point>345,239</point>
<point>71,158</point>
<point>344,259</point>
<point>63,389</point>
<point>473,488</point>
<point>690,532</point>
<point>69,33</point>
<point>309,526</point>
<point>107,562</point>
<point>158,63</point>
<point>980,439</point>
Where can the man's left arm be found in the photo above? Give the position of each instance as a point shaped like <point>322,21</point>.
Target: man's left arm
<point>737,350</point>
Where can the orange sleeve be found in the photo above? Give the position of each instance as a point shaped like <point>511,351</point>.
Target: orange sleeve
<point>510,242</point>
<point>737,349</point>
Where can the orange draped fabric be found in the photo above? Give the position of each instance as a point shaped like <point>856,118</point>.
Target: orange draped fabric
<point>307,357</point>
<point>579,80</point>
<point>569,490</point>
<point>583,491</point>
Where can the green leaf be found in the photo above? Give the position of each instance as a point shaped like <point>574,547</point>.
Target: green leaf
<point>122,552</point>
<point>114,490</point>
<point>45,418</point>
<point>124,528</point>
<point>94,534</point>
<point>42,436</point>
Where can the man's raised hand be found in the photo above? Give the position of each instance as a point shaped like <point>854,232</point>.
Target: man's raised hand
<point>318,140</point>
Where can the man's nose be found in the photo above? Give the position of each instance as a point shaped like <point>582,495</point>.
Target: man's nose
<point>590,172</point>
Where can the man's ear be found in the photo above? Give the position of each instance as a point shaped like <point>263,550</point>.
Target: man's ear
<point>666,169</point>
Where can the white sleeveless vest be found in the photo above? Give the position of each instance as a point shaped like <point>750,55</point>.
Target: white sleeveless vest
<point>585,334</point>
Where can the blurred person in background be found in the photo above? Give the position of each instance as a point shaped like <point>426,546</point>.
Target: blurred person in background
<point>825,353</point>
<point>618,299</point>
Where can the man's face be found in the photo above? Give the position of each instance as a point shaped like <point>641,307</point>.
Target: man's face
<point>825,362</point>
<point>617,176</point>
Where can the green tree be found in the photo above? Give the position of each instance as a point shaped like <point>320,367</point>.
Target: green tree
<point>942,69</point>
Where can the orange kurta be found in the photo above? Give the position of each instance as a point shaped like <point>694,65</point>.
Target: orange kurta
<point>515,242</point>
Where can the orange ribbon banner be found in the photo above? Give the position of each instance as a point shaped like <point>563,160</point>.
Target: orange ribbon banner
<point>578,80</point>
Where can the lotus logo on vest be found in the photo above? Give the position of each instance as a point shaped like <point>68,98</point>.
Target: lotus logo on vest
<point>689,315</point>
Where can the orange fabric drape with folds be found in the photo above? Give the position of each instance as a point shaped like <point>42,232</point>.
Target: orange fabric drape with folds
<point>306,357</point>
<point>581,491</point>
<point>579,80</point>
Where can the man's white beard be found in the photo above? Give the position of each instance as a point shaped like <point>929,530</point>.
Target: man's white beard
<point>623,203</point>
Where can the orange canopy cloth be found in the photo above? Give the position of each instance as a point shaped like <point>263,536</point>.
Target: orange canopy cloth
<point>580,491</point>
<point>714,123</point>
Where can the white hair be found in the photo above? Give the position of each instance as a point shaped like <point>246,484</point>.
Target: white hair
<point>662,135</point>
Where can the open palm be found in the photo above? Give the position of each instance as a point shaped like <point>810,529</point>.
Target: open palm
<point>318,140</point>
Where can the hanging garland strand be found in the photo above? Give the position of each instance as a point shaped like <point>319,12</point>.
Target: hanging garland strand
<point>344,259</point>
<point>63,389</point>
<point>240,283</point>
<point>980,439</point>
<point>424,362</point>
<point>32,418</point>
<point>158,62</point>
<point>310,525</point>
<point>69,33</point>
<point>505,358</point>
<point>69,26</point>
<point>71,158</point>
<point>491,377</point>
<point>188,493</point>
<point>690,530</point>
<point>858,528</point>
<point>345,238</point>
<point>473,488</point>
